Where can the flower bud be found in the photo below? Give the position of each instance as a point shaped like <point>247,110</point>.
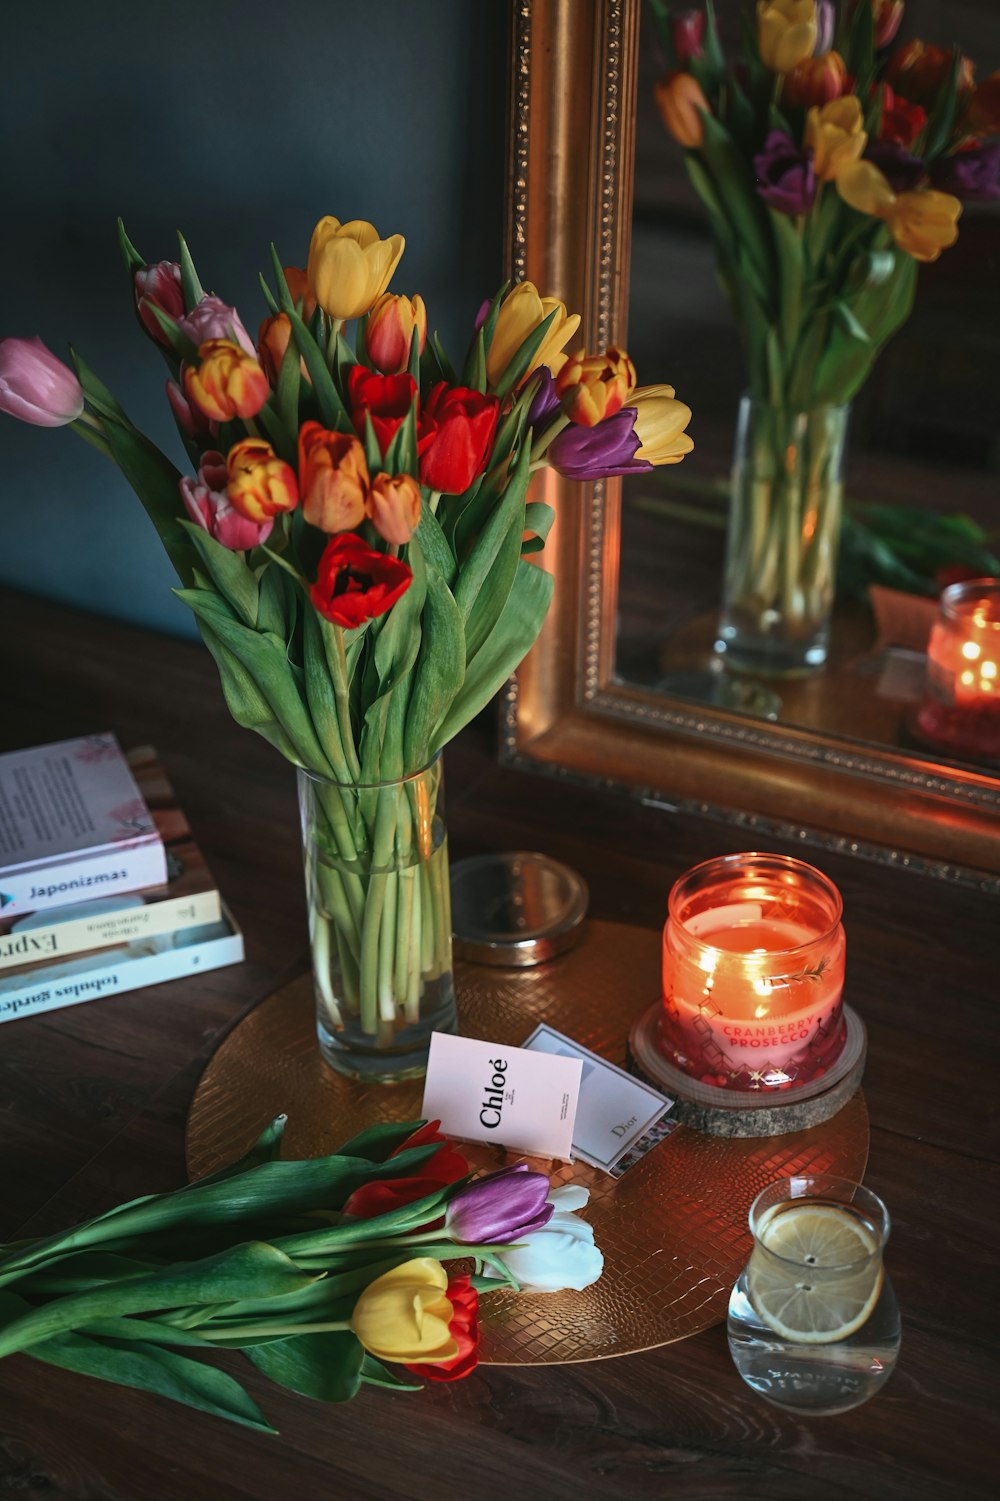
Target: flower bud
<point>660,422</point>
<point>299,290</point>
<point>389,331</point>
<point>920,70</point>
<point>349,266</point>
<point>592,387</point>
<point>394,507</point>
<point>226,382</point>
<point>786,32</point>
<point>260,485</point>
<point>215,319</point>
<point>687,32</point>
<point>835,135</point>
<point>207,503</point>
<point>158,286</point>
<point>815,81</point>
<point>333,478</point>
<point>679,98</point>
<point>272,342</point>
<point>888,15</point>
<point>35,387</point>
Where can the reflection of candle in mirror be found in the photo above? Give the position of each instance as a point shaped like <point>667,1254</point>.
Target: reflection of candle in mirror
<point>961,709</point>
<point>753,971</point>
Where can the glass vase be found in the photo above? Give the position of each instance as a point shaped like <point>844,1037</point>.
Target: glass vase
<point>377,886</point>
<point>784,532</point>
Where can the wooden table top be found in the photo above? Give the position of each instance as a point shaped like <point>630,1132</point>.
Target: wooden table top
<point>93,1103</point>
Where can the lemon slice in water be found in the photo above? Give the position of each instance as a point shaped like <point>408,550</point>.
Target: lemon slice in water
<point>828,1278</point>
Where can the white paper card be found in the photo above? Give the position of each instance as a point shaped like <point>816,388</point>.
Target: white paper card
<point>509,1097</point>
<point>617,1112</point>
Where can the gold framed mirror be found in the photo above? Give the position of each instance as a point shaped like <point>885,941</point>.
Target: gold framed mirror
<point>572,149</point>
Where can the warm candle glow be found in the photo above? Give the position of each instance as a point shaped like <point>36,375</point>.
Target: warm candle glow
<point>961,710</point>
<point>753,968</point>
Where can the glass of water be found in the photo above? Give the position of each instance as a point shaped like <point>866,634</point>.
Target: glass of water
<point>813,1321</point>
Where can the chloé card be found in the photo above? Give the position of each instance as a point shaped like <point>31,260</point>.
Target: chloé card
<point>619,1118</point>
<point>487,1091</point>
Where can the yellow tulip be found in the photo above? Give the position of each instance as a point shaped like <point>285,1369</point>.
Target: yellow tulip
<point>923,223</point>
<point>681,103</point>
<point>404,1315</point>
<point>786,32</point>
<point>349,266</point>
<point>521,311</point>
<point>835,134</point>
<point>660,421</point>
<point>867,189</point>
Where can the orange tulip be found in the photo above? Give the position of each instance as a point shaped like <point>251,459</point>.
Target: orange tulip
<point>592,387</point>
<point>260,485</point>
<point>333,477</point>
<point>815,81</point>
<point>679,97</point>
<point>389,331</point>
<point>888,15</point>
<point>298,286</point>
<point>272,342</point>
<point>982,118</point>
<point>394,507</point>
<point>226,383</point>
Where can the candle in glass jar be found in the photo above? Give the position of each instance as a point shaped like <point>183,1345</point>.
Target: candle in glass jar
<point>961,709</point>
<point>753,973</point>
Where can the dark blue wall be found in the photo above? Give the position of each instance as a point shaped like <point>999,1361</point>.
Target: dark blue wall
<point>238,123</point>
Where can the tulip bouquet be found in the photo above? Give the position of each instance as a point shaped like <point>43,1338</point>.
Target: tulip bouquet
<point>353,539</point>
<point>324,1272</point>
<point>830,163</point>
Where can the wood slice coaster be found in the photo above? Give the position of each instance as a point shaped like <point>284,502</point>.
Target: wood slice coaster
<point>673,1229</point>
<point>742,1112</point>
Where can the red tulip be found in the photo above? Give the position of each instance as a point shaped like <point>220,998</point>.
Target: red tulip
<point>920,70</point>
<point>446,1166</point>
<point>158,286</point>
<point>902,121</point>
<point>386,399</point>
<point>455,437</point>
<point>463,1327</point>
<point>355,583</point>
<point>687,32</point>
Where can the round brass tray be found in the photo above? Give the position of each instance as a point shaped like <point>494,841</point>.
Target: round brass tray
<point>673,1229</point>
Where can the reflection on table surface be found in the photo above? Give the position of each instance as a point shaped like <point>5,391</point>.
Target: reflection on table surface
<point>672,546</point>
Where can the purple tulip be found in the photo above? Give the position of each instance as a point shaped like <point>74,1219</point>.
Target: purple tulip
<point>35,387</point>
<point>826,22</point>
<point>158,286</point>
<point>502,1207</point>
<point>973,176</point>
<point>785,177</point>
<point>545,403</point>
<point>586,453</point>
<point>902,171</point>
<point>207,503</point>
<point>212,319</point>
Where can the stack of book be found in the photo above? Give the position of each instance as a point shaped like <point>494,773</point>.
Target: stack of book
<point>102,888</point>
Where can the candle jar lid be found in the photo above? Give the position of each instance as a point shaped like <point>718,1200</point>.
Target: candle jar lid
<point>515,909</point>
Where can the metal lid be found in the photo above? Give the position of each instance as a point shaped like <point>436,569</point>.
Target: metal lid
<point>515,909</point>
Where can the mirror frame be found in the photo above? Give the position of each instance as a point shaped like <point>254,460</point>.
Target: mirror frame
<point>569,209</point>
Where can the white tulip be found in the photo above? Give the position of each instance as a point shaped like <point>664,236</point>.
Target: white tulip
<point>563,1253</point>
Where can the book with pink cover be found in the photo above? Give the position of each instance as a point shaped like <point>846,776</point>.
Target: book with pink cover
<point>73,825</point>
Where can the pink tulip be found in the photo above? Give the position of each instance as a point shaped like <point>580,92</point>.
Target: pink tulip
<point>212,319</point>
<point>207,503</point>
<point>688,34</point>
<point>187,417</point>
<point>158,286</point>
<point>35,387</point>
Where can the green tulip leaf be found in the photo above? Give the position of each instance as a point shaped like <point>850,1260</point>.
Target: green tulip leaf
<point>181,343</point>
<point>401,455</point>
<point>439,671</point>
<point>133,260</point>
<point>474,372</point>
<point>326,1367</point>
<point>500,539</point>
<point>377,1143</point>
<point>149,1368</point>
<point>332,412</point>
<point>503,651</point>
<point>191,287</point>
<point>228,572</point>
<point>374,1373</point>
<point>523,357</point>
<point>434,545</point>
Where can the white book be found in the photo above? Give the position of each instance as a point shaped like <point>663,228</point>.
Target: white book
<point>73,825</point>
<point>150,961</point>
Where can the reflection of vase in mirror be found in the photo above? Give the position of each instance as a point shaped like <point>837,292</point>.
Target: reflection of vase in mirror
<point>923,428</point>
